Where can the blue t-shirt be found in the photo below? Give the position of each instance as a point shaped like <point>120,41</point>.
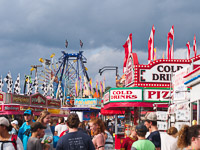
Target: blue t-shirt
<point>75,141</point>
<point>154,137</point>
<point>24,133</point>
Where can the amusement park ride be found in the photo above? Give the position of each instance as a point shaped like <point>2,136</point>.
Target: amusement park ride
<point>59,77</point>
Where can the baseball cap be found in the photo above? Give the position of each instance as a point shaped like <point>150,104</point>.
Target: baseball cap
<point>37,125</point>
<point>141,128</point>
<point>14,122</point>
<point>150,116</point>
<point>28,112</point>
<point>4,121</point>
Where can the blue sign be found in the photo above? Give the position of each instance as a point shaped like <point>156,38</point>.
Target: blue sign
<point>87,101</point>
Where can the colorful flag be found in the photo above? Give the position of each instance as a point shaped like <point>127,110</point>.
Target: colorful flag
<point>188,46</point>
<point>154,54</point>
<point>128,49</point>
<point>66,43</point>
<point>151,45</point>
<point>170,50</point>
<point>97,87</point>
<point>9,81</point>
<point>29,86</point>
<point>163,56</point>
<point>1,83</point>
<point>104,88</point>
<point>90,84</point>
<point>17,85</point>
<point>81,43</point>
<point>195,46</point>
<point>76,88</point>
<point>35,84</point>
<point>80,80</point>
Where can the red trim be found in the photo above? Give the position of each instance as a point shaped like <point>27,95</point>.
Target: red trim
<point>120,105</point>
<point>195,70</point>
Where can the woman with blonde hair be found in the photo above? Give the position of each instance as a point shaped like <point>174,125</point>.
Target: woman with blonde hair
<point>45,118</point>
<point>189,137</point>
<point>127,142</point>
<point>98,128</point>
<point>169,140</point>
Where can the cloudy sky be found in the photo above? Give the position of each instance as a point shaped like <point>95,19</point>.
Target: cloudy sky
<point>30,30</point>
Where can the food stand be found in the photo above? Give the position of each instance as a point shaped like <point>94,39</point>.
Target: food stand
<point>145,86</point>
<point>15,105</point>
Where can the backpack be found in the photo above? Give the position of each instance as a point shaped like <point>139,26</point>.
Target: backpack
<point>13,140</point>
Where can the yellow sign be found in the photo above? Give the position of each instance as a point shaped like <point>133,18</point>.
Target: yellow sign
<point>54,111</point>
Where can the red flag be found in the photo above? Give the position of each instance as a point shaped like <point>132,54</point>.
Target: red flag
<point>151,44</point>
<point>128,49</point>
<point>170,51</point>
<point>194,46</point>
<point>188,46</point>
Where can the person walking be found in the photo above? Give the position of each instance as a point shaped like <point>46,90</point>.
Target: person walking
<point>25,130</point>
<point>151,124</point>
<point>127,142</point>
<point>109,139</point>
<point>75,139</point>
<point>169,140</point>
<point>142,143</point>
<point>60,127</point>
<point>98,128</point>
<point>189,137</point>
<point>8,141</point>
<point>34,143</point>
<point>44,119</point>
<point>15,127</point>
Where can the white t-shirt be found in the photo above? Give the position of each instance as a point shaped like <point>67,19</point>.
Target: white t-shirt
<point>60,128</point>
<point>9,146</point>
<point>168,142</point>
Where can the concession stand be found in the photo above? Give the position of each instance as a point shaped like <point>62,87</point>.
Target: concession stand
<point>147,88</point>
<point>88,108</point>
<point>192,81</point>
<point>14,105</point>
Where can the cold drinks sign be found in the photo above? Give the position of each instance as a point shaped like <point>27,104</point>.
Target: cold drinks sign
<point>125,95</point>
<point>160,73</point>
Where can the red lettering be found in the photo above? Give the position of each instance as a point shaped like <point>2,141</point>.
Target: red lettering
<point>150,93</point>
<point>129,92</point>
<point>165,93</point>
<point>158,94</point>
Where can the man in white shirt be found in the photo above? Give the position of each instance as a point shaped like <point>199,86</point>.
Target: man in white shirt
<point>61,126</point>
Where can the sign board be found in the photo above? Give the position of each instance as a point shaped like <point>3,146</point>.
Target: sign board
<point>178,84</point>
<point>126,94</point>
<point>106,98</point>
<point>160,73</point>
<point>179,125</point>
<point>162,125</point>
<point>157,94</point>
<point>20,99</point>
<point>182,115</point>
<point>157,73</point>
<point>129,73</point>
<point>162,115</point>
<point>38,100</point>
<point>87,115</point>
<point>86,101</point>
<point>53,103</point>
<point>2,97</point>
<point>11,107</point>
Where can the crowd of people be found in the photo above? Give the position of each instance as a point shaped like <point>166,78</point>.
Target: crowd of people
<point>95,134</point>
